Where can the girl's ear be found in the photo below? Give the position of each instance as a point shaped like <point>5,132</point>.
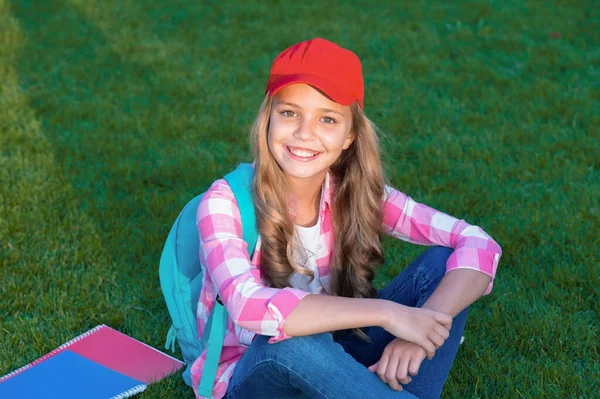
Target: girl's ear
<point>349,140</point>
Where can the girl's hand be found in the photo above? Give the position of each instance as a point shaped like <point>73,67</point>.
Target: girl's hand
<point>399,359</point>
<point>424,327</point>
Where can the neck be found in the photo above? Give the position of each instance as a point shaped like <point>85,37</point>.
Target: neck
<point>308,195</point>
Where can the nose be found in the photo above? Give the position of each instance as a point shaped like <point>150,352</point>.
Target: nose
<point>304,130</point>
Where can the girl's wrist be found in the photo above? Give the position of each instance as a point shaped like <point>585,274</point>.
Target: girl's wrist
<point>388,311</point>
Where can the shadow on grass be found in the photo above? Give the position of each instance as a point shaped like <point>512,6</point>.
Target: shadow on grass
<point>95,108</point>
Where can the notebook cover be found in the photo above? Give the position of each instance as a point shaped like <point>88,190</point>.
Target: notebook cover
<point>126,355</point>
<point>69,375</point>
<point>116,351</point>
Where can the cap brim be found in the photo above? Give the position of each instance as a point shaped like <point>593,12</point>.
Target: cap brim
<point>328,87</point>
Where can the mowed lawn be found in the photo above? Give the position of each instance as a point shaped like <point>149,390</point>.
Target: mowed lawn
<point>114,113</point>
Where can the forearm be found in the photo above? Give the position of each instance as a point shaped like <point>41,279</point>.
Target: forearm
<point>457,290</point>
<point>321,313</point>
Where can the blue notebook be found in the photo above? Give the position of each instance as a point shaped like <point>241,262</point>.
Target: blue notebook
<point>69,375</point>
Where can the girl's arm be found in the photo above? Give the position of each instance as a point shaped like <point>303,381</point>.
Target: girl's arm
<point>230,273</point>
<point>458,289</point>
<point>317,313</point>
<point>471,268</point>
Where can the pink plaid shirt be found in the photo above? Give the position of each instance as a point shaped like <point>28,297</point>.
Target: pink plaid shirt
<point>255,308</point>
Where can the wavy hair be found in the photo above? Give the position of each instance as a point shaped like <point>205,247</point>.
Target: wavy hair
<point>357,210</point>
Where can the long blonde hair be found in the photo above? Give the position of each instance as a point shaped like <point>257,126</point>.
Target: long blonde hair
<point>357,210</point>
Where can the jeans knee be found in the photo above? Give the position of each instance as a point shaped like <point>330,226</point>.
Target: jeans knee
<point>433,263</point>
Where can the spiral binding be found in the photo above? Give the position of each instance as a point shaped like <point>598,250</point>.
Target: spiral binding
<point>131,392</point>
<point>54,352</point>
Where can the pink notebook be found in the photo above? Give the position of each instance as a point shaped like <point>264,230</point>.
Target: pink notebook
<point>116,351</point>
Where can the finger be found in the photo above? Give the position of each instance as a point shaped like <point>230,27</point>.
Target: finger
<point>402,371</point>
<point>429,348</point>
<point>390,373</point>
<point>444,318</point>
<point>437,339</point>
<point>442,331</point>
<point>383,362</point>
<point>415,364</point>
<point>447,327</point>
<point>373,367</point>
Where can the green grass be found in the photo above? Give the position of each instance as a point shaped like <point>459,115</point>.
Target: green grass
<point>114,113</point>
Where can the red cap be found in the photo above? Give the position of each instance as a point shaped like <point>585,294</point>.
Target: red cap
<point>322,64</point>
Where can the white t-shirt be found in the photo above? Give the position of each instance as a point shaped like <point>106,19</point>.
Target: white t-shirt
<point>304,249</point>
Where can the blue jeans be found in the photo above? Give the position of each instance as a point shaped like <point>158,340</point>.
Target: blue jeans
<point>321,366</point>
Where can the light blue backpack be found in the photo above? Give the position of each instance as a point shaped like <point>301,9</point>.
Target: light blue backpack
<point>181,281</point>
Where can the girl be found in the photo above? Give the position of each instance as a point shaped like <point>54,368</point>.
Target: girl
<point>305,319</point>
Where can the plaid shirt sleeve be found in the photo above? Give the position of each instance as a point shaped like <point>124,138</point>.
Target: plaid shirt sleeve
<point>411,221</point>
<point>224,254</point>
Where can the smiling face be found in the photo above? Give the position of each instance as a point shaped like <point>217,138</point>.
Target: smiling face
<point>307,132</point>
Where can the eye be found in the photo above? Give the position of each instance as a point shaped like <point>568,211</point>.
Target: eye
<point>288,113</point>
<point>328,120</point>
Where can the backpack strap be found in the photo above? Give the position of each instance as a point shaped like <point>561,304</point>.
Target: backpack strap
<point>240,181</point>
<point>214,346</point>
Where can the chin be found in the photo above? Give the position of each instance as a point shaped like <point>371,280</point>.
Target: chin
<point>302,173</point>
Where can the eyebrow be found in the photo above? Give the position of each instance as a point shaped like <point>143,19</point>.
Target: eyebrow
<point>322,109</point>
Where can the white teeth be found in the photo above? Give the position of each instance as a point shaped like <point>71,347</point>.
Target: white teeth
<point>302,153</point>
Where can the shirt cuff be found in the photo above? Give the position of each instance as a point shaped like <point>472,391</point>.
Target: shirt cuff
<point>481,260</point>
<point>280,307</point>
